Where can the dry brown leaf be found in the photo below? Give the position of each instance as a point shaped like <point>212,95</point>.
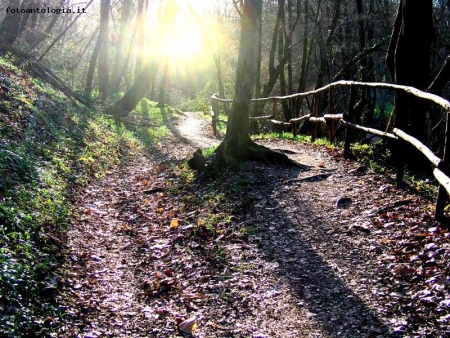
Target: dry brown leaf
<point>189,325</point>
<point>174,223</point>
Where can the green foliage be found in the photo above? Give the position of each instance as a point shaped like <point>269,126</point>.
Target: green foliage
<point>374,157</point>
<point>323,141</point>
<point>202,100</point>
<point>222,126</point>
<point>147,122</point>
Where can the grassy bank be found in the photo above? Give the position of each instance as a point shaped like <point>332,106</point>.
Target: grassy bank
<point>49,149</point>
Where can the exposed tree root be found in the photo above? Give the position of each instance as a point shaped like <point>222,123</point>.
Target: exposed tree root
<point>230,154</point>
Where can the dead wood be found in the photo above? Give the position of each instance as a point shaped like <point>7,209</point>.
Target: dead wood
<point>46,75</point>
<point>368,130</point>
<point>419,145</point>
<point>311,178</point>
<point>154,190</point>
<point>393,205</point>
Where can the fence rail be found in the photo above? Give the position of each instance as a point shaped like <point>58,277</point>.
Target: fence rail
<point>441,171</point>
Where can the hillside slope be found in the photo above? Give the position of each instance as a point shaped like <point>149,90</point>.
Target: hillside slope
<point>49,149</point>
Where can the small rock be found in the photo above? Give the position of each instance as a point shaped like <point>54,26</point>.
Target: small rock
<point>430,246</point>
<point>363,228</point>
<point>397,332</point>
<point>49,291</point>
<point>96,258</point>
<point>358,171</point>
<point>344,203</point>
<point>376,248</point>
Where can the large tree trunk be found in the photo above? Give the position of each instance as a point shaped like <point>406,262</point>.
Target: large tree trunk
<point>237,145</point>
<point>136,92</point>
<point>408,60</point>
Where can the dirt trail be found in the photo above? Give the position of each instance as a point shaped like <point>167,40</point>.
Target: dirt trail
<point>312,261</point>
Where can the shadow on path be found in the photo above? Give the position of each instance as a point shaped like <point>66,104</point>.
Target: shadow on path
<point>293,235</point>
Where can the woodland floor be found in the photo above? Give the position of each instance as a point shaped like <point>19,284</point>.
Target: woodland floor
<point>330,251</point>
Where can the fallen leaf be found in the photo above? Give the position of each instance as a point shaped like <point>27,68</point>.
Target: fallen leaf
<point>174,224</point>
<point>189,325</point>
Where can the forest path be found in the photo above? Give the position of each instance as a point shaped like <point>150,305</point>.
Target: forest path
<point>309,253</point>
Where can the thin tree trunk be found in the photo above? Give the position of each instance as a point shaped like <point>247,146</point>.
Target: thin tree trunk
<point>103,55</point>
<point>46,33</point>
<point>162,85</point>
<point>306,54</point>
<point>119,55</point>
<point>58,38</point>
<point>92,66</point>
<point>141,8</point>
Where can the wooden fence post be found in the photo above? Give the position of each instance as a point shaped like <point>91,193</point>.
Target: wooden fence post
<point>274,110</point>
<point>444,167</point>
<point>214,112</point>
<point>293,124</point>
<point>331,123</point>
<point>349,118</point>
<point>315,113</point>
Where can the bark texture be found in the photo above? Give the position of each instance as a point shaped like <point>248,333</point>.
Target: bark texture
<point>237,145</point>
<point>408,61</point>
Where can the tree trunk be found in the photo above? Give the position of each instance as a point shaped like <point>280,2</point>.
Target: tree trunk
<point>46,33</point>
<point>306,56</point>
<point>61,35</point>
<point>91,69</point>
<point>162,85</point>
<point>136,92</point>
<point>237,145</point>
<point>103,67</point>
<point>142,83</point>
<point>119,55</point>
<point>141,8</point>
<point>408,61</point>
<point>14,24</point>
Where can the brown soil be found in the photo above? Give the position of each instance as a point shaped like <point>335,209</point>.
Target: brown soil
<point>330,251</point>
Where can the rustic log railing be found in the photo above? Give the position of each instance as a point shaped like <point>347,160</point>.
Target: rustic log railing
<point>441,171</point>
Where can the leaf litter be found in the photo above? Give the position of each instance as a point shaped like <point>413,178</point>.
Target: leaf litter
<point>263,252</point>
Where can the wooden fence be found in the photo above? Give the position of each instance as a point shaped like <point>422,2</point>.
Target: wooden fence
<point>441,169</point>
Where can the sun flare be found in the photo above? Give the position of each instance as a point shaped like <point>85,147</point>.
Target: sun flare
<point>186,43</point>
<point>184,40</point>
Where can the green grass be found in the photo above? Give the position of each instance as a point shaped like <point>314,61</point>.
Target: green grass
<point>322,141</point>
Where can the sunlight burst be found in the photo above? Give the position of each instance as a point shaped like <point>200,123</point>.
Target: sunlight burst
<point>179,31</point>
